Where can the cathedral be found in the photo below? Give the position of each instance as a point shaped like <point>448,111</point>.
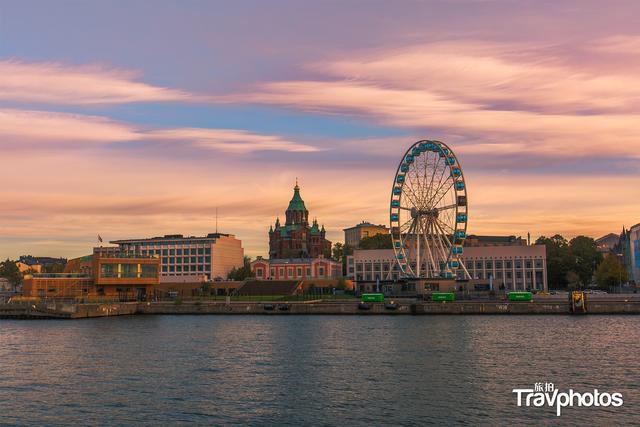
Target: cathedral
<point>296,239</point>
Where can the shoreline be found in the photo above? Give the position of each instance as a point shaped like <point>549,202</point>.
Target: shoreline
<point>70,310</point>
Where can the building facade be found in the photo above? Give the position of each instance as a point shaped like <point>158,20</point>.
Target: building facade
<point>473,240</point>
<point>503,267</point>
<point>189,258</point>
<point>353,235</point>
<point>296,239</point>
<point>296,268</point>
<point>119,276</point>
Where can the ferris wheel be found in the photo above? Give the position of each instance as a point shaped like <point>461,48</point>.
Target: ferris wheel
<point>428,212</point>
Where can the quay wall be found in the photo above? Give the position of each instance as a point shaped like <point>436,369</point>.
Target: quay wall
<point>70,310</point>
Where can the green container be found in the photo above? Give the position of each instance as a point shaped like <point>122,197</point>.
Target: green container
<point>443,296</point>
<point>372,297</point>
<point>520,296</point>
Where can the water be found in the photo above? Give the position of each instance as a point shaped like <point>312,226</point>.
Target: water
<point>312,370</point>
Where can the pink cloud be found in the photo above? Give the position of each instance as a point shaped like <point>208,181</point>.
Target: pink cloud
<point>62,84</point>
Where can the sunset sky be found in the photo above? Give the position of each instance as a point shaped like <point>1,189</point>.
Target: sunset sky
<point>136,118</point>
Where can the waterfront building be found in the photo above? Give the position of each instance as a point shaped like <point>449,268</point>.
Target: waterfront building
<point>295,268</point>
<point>123,276</point>
<point>296,238</point>
<point>44,263</point>
<point>189,259</point>
<point>503,267</point>
<point>353,235</point>
<point>607,243</point>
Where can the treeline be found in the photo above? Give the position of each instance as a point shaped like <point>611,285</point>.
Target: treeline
<point>576,263</point>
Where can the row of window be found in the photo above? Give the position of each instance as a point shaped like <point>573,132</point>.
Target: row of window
<point>180,268</point>
<point>471,265</point>
<point>172,252</point>
<point>172,243</point>
<point>129,271</point>
<point>186,260</point>
<point>292,272</point>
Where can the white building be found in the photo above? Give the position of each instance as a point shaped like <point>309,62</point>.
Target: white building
<point>514,267</point>
<point>185,259</point>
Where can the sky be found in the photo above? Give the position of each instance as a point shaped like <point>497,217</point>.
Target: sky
<point>136,119</point>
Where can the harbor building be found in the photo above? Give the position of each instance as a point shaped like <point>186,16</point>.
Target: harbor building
<point>119,276</point>
<point>295,268</point>
<point>188,259</point>
<point>353,235</point>
<point>500,267</point>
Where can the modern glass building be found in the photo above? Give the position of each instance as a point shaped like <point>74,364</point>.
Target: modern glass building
<point>184,259</point>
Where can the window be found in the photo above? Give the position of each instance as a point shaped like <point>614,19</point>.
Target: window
<point>200,260</point>
<point>207,251</point>
<point>478,265</point>
<point>148,271</point>
<point>172,251</point>
<point>193,260</point>
<point>518,263</point>
<point>200,251</point>
<point>528,263</point>
<point>200,268</point>
<point>193,251</point>
<point>164,268</point>
<point>308,271</point>
<point>172,268</point>
<point>178,251</point>
<point>299,272</point>
<point>165,252</point>
<point>538,263</point>
<point>489,265</point>
<point>258,272</point>
<point>129,270</point>
<point>499,264</point>
<point>207,259</point>
<point>273,272</point>
<point>109,270</point>
<point>172,260</point>
<point>518,274</point>
<point>281,271</point>
<point>507,264</point>
<point>179,268</point>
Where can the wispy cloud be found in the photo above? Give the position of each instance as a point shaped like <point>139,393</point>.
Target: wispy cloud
<point>64,84</point>
<point>231,140</point>
<point>28,127</point>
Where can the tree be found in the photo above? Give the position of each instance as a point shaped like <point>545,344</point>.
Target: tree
<point>379,241</point>
<point>340,253</point>
<point>560,259</point>
<point>587,257</point>
<point>243,272</point>
<point>610,272</point>
<point>9,270</point>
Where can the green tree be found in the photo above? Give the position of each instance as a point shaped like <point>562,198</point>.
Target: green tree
<point>587,257</point>
<point>560,260</point>
<point>340,253</point>
<point>9,270</point>
<point>379,241</point>
<point>610,272</point>
<point>243,272</point>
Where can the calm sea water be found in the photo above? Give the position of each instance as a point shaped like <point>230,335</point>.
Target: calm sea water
<point>313,370</point>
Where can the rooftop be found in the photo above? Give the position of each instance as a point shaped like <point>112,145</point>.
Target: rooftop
<point>168,237</point>
<point>365,224</point>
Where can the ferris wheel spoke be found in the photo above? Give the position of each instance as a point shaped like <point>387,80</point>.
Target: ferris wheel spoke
<point>443,208</point>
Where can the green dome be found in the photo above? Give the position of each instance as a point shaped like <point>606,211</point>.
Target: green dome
<point>296,203</point>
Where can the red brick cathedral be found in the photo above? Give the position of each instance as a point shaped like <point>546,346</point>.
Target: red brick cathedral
<point>295,239</point>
